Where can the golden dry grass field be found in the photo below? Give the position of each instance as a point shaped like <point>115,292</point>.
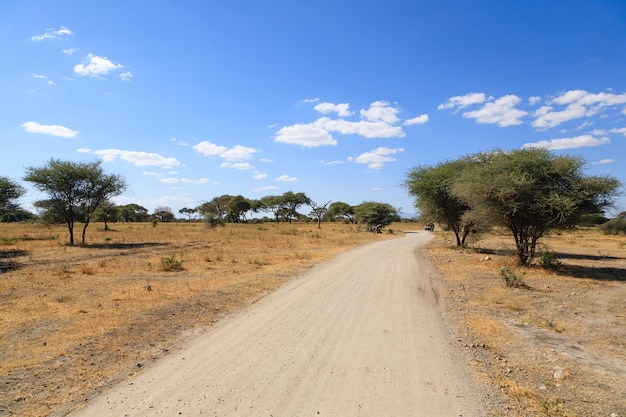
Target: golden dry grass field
<point>75,319</point>
<point>555,348</point>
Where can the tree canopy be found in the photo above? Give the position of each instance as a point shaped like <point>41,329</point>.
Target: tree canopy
<point>75,190</point>
<point>10,192</point>
<point>528,191</point>
<point>432,188</point>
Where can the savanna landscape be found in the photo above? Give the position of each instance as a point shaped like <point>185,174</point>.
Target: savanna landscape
<point>76,319</point>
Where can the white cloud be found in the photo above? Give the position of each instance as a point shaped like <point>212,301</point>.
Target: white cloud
<point>196,182</point>
<point>377,158</point>
<point>237,153</point>
<point>152,173</point>
<point>242,166</point>
<point>568,143</point>
<point>533,101</point>
<point>309,100</point>
<point>463,101</point>
<point>501,112</point>
<point>41,77</point>
<point>331,162</point>
<point>259,176</point>
<point>286,178</point>
<point>53,34</point>
<point>306,135</point>
<point>577,104</point>
<point>621,131</point>
<point>368,129</point>
<point>126,76</point>
<point>208,149</point>
<point>419,120</point>
<point>69,51</point>
<point>83,150</point>
<point>377,188</point>
<point>342,109</point>
<point>137,158</point>
<point>378,121</point>
<point>605,161</point>
<point>168,180</point>
<point>54,130</point>
<point>96,66</point>
<point>381,111</point>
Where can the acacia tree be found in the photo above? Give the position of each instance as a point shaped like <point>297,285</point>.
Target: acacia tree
<point>291,202</point>
<point>107,212</point>
<point>318,210</point>
<point>10,191</point>
<point>75,190</point>
<point>188,212</point>
<point>134,213</point>
<point>341,209</point>
<point>432,188</point>
<point>531,191</point>
<point>375,214</point>
<point>238,206</point>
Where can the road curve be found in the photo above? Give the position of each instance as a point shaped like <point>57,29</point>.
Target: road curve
<point>361,335</point>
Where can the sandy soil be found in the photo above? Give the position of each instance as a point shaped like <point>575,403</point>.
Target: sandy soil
<point>360,335</point>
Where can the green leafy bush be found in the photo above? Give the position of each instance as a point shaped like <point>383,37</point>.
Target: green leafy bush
<point>170,263</point>
<point>512,279</point>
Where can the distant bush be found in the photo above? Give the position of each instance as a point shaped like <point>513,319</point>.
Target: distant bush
<point>548,260</point>
<point>614,226</point>
<point>170,263</point>
<point>512,279</point>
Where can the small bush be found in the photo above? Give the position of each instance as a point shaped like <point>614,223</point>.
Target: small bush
<point>511,279</point>
<point>548,260</point>
<point>170,263</point>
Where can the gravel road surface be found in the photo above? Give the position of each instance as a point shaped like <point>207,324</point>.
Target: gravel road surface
<point>361,335</point>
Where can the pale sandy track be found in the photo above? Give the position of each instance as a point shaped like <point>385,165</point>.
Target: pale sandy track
<point>361,335</point>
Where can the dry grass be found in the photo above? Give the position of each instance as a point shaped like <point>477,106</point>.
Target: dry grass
<point>571,319</point>
<point>73,319</point>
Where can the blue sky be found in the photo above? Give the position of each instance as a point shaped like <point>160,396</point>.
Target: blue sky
<point>188,100</point>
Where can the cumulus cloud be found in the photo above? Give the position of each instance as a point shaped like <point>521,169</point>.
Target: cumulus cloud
<point>138,158</point>
<point>501,112</point>
<point>96,66</point>
<point>377,158</point>
<point>568,143</point>
<point>126,76</point>
<point>342,109</point>
<point>533,101</point>
<point>306,135</point>
<point>286,178</point>
<point>53,34</point>
<point>621,131</point>
<point>54,130</point>
<point>381,111</point>
<point>575,104</point>
<point>209,149</point>
<point>380,120</point>
<point>242,166</point>
<point>419,120</point>
<point>231,155</point>
<point>238,152</point>
<point>463,101</point>
<point>259,176</point>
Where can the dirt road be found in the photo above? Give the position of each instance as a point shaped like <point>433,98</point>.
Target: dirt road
<point>361,335</point>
